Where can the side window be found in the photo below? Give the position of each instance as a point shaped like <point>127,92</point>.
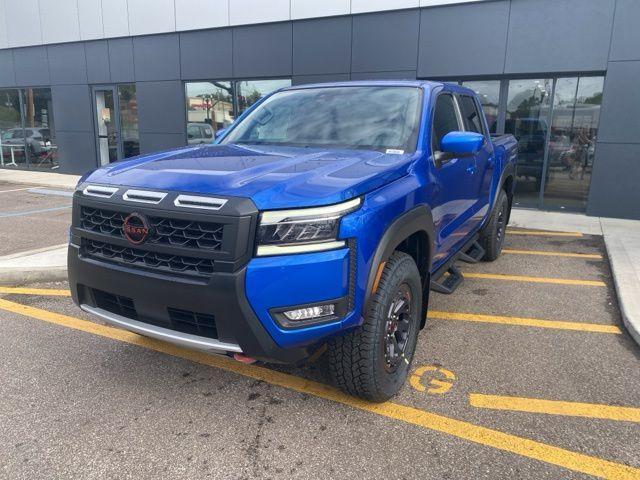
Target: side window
<point>193,132</point>
<point>470,114</point>
<point>445,119</point>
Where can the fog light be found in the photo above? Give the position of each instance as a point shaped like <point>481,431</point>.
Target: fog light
<point>311,312</point>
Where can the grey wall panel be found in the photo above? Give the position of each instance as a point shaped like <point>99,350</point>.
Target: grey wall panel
<point>161,107</point>
<point>559,36</point>
<point>322,46</point>
<point>97,55</point>
<point>331,77</point>
<point>451,44</point>
<point>620,115</point>
<point>399,75</point>
<point>76,151</point>
<point>72,108</point>
<point>206,54</point>
<point>7,72</point>
<point>157,57</point>
<point>615,180</point>
<point>31,66</point>
<point>67,63</point>
<point>262,50</point>
<point>625,42</point>
<point>121,60</point>
<point>154,142</point>
<point>385,41</point>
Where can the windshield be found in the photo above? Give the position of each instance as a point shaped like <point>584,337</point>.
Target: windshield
<point>373,118</point>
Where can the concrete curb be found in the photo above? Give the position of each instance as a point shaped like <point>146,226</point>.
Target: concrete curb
<point>21,276</point>
<point>40,265</point>
<point>626,280</point>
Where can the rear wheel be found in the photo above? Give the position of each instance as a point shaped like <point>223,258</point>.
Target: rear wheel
<point>492,237</point>
<point>372,361</point>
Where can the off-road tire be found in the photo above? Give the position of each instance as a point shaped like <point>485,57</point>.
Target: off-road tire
<point>357,361</point>
<point>492,236</point>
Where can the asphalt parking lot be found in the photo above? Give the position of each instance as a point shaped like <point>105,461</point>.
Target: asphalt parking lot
<point>524,372</point>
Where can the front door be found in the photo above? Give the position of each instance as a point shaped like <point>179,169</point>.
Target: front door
<point>116,122</point>
<point>453,202</point>
<point>107,126</point>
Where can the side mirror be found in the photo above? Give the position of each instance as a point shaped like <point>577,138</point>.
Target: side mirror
<point>462,143</point>
<point>458,145</point>
<point>220,132</point>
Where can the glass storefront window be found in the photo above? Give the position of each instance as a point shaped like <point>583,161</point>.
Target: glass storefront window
<point>27,139</point>
<point>249,92</point>
<point>488,92</point>
<point>42,149</point>
<point>527,118</point>
<point>209,108</point>
<point>129,120</point>
<point>12,143</point>
<point>576,112</point>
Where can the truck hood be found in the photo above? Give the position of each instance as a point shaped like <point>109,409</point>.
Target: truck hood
<point>273,177</point>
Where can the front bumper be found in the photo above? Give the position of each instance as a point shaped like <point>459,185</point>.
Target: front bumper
<point>241,302</point>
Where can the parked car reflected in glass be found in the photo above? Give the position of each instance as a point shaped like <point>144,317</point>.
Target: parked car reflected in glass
<point>198,133</point>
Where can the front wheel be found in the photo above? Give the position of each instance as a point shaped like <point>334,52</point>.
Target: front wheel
<point>373,361</point>
<point>492,237</point>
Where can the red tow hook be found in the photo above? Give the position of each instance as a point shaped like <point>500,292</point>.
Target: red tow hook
<point>243,358</point>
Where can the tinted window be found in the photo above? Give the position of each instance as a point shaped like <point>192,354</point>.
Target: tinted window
<point>444,119</point>
<point>472,122</point>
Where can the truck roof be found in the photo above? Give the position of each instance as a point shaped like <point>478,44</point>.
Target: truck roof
<point>370,83</point>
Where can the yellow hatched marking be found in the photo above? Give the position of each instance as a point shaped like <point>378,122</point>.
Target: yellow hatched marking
<point>552,254</point>
<point>474,433</point>
<point>35,291</point>
<point>544,233</point>
<point>554,407</point>
<point>524,278</point>
<point>525,322</point>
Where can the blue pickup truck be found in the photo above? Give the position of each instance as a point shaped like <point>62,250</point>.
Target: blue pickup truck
<point>316,224</point>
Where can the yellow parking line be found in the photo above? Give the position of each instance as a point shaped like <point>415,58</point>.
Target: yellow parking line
<point>525,322</point>
<point>552,254</point>
<point>544,233</point>
<point>485,436</point>
<point>496,439</point>
<point>523,278</point>
<point>35,291</point>
<point>553,407</point>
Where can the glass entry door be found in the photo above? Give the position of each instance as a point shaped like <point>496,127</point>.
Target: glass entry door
<point>116,122</point>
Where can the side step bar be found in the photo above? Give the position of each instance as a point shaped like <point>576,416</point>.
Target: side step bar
<point>452,280</point>
<point>473,255</point>
<point>449,277</point>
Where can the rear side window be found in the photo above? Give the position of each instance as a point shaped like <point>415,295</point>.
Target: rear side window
<point>470,114</point>
<point>445,119</point>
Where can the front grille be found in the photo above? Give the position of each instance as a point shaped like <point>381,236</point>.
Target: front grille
<point>164,231</point>
<point>135,257</point>
<point>195,323</point>
<point>117,304</point>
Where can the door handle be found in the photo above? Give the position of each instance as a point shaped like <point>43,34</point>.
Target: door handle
<point>471,169</point>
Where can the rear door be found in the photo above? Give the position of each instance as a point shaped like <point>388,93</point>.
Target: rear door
<point>452,196</point>
<point>484,166</point>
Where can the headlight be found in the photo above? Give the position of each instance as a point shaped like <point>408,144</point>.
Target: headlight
<point>302,230</point>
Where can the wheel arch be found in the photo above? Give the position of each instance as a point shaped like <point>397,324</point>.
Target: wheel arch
<point>412,233</point>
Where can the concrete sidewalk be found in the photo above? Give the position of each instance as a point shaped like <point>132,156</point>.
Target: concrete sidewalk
<point>46,179</point>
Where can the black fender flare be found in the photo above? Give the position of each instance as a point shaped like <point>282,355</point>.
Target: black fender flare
<point>509,171</point>
<point>418,219</point>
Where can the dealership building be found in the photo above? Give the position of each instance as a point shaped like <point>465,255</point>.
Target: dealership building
<point>88,82</point>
